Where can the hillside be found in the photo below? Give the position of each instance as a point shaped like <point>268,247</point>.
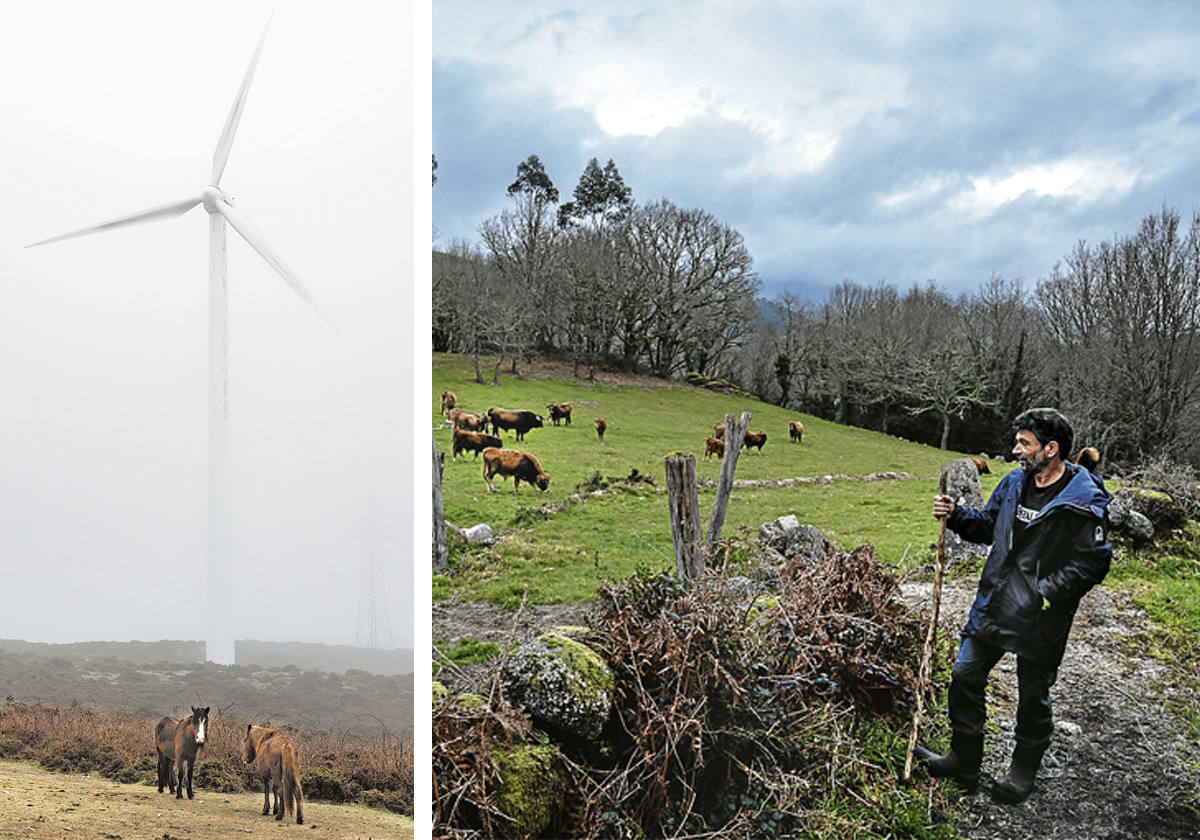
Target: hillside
<point>1125,756</point>
<point>333,658</point>
<point>355,701</point>
<point>562,547</point>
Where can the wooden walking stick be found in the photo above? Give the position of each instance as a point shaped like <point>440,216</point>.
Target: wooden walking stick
<point>927,652</point>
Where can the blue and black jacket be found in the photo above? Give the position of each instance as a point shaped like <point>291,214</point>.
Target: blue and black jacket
<point>1063,552</point>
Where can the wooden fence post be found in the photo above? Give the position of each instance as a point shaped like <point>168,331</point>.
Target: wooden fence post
<point>734,437</point>
<point>441,551</point>
<point>685,515</point>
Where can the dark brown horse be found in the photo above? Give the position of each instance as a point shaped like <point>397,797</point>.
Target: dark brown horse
<point>178,742</point>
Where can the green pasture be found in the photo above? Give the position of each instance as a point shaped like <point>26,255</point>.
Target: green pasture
<point>563,554</point>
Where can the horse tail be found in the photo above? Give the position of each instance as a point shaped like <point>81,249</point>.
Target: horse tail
<point>291,781</point>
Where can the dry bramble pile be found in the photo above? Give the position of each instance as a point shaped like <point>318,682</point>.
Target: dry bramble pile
<point>771,705</point>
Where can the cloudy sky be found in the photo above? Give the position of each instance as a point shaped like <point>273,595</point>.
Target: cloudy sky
<point>901,142</point>
<point>114,107</point>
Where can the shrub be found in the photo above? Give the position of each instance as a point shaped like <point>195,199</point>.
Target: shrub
<point>396,801</point>
<point>325,783</point>
<point>218,776</point>
<point>1176,480</point>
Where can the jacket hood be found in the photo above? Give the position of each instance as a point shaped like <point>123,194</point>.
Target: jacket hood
<point>1083,492</point>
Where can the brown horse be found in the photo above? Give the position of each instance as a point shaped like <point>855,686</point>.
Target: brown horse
<point>275,760</point>
<point>178,742</point>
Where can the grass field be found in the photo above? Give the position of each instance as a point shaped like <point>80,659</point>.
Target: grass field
<point>563,555</point>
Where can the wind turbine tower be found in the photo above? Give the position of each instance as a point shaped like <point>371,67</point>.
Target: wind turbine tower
<point>221,210</point>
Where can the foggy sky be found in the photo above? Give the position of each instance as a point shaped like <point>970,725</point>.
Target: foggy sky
<point>902,142</point>
<point>115,107</point>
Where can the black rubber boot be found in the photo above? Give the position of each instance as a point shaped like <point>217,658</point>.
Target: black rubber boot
<point>961,763</point>
<point>1018,781</point>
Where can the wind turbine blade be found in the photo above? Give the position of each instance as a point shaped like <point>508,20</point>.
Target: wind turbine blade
<point>258,242</point>
<point>221,155</point>
<point>154,214</point>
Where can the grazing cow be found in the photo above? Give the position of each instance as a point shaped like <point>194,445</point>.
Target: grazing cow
<point>519,421</point>
<point>520,465</point>
<point>559,411</point>
<point>981,464</point>
<point>754,439</point>
<point>713,446</point>
<point>476,442</point>
<point>719,431</point>
<point>796,430</point>
<point>448,401</point>
<point>600,427</point>
<point>276,765</point>
<point>1088,458</point>
<point>471,422</point>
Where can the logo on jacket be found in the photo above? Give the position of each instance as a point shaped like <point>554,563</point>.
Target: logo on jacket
<point>1099,534</point>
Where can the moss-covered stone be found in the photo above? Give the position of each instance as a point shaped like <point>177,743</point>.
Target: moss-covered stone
<point>761,604</point>
<point>439,691</point>
<point>470,701</point>
<point>533,787</point>
<point>562,683</point>
<point>1163,511</point>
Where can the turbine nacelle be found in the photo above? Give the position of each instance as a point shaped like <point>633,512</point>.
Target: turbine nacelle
<point>213,195</point>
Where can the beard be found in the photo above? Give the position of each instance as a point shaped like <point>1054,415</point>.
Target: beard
<point>1034,465</point>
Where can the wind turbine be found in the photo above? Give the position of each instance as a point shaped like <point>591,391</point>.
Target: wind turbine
<point>220,209</point>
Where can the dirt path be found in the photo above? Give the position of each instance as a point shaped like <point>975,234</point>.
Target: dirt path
<point>35,803</point>
<point>1118,767</point>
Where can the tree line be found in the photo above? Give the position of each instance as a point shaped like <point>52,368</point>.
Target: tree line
<point>597,280</point>
<point>1111,336</point>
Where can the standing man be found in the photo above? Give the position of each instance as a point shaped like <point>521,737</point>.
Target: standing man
<point>1048,527</point>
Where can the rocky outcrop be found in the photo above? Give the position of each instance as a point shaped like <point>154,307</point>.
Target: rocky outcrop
<point>962,485</point>
<point>562,684</point>
<point>791,539</point>
<point>1124,519</point>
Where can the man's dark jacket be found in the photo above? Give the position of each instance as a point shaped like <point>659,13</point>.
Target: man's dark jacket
<point>1063,553</point>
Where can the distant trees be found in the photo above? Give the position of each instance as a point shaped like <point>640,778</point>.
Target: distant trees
<point>1124,319</point>
<point>599,278</point>
<point>1111,336</point>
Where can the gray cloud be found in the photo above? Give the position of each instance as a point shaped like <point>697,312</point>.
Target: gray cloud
<point>931,141</point>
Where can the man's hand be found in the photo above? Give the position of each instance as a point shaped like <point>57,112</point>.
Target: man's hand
<point>942,506</point>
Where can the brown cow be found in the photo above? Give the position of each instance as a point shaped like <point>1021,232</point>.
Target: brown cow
<point>559,411</point>
<point>448,401</point>
<point>981,464</point>
<point>600,427</point>
<point>475,442</point>
<point>714,446</point>
<point>452,415</point>
<point>277,765</point>
<point>1088,458</point>
<point>719,431</point>
<point>519,421</point>
<point>796,430</point>
<point>520,465</point>
<point>754,439</point>
<point>471,422</point>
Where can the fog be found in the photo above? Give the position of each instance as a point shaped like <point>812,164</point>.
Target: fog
<point>115,107</point>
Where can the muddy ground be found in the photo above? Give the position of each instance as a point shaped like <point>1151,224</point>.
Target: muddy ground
<point>1118,768</point>
<point>36,803</point>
